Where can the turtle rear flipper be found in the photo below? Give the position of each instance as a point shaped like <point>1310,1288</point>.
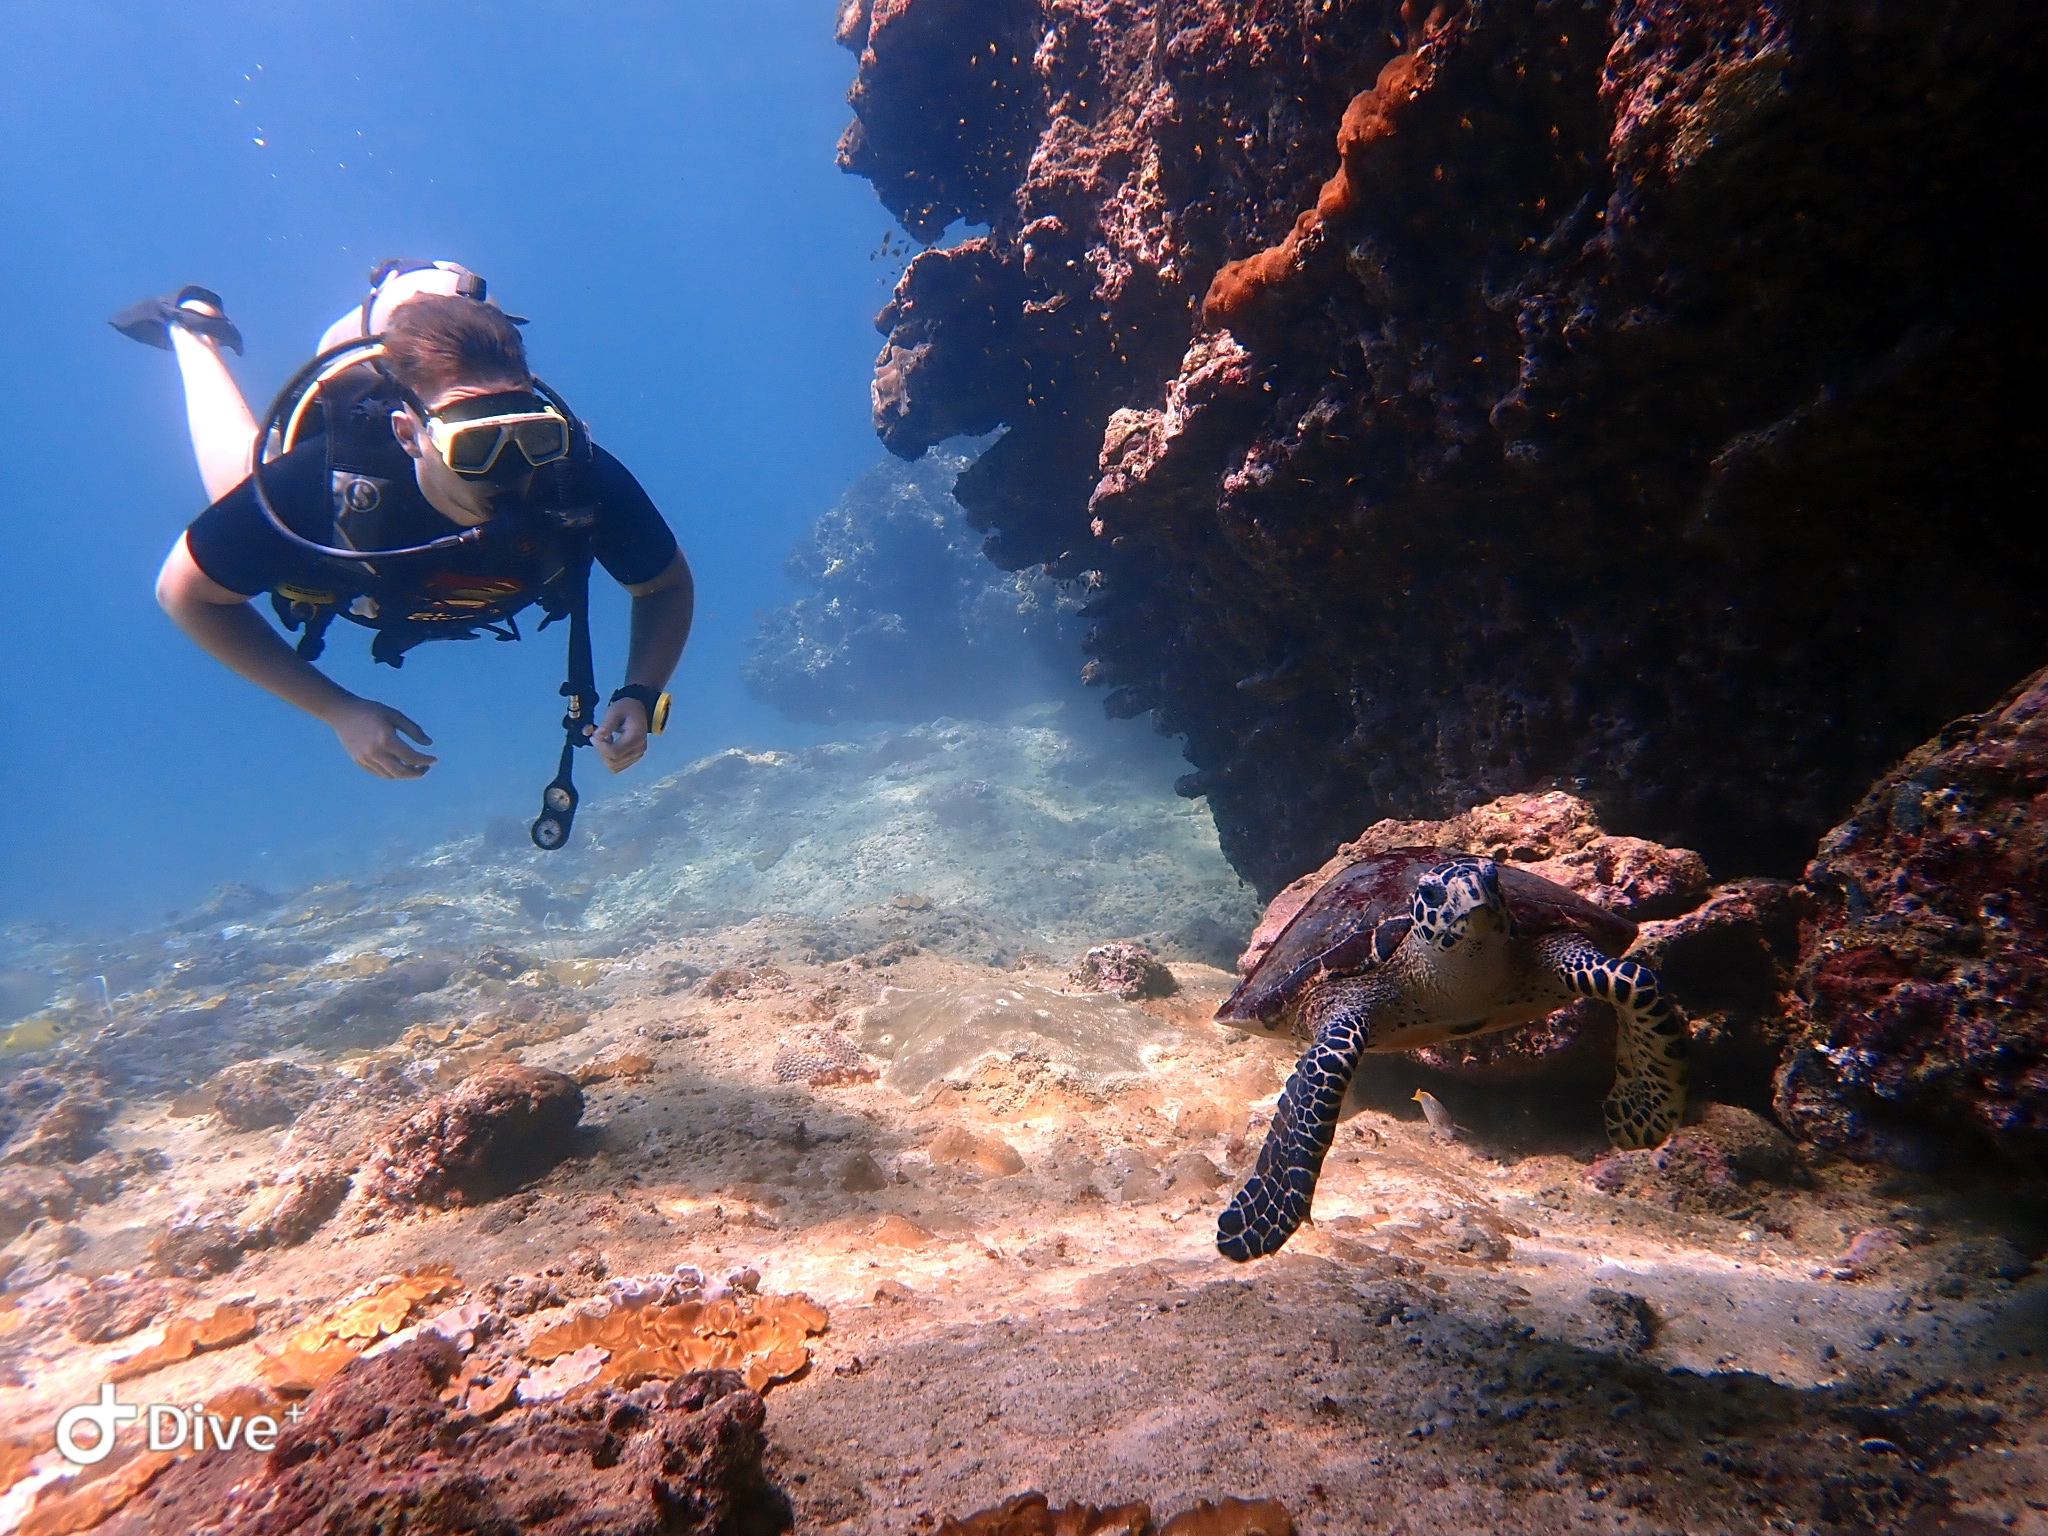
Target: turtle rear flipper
<point>1276,1198</point>
<point>1648,1097</point>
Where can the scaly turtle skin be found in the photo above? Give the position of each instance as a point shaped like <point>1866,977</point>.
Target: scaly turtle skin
<point>1418,945</point>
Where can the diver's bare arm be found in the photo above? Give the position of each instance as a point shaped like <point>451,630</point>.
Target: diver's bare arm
<point>662,612</point>
<point>222,624</point>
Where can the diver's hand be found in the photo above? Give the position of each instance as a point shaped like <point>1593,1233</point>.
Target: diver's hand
<point>370,734</point>
<point>621,736</point>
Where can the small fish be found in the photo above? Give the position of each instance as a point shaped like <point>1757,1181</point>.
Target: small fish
<point>1439,1118</point>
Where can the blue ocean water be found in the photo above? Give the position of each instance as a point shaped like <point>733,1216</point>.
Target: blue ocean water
<point>652,183</point>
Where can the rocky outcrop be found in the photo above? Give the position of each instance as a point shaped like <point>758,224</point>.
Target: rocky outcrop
<point>1131,971</point>
<point>500,1128</point>
<point>31,1192</point>
<point>254,1095</point>
<point>382,1448</point>
<point>905,620</point>
<point>1630,396</point>
<point>1924,973</point>
<point>45,1120</point>
<point>281,1211</point>
<point>1721,1164</point>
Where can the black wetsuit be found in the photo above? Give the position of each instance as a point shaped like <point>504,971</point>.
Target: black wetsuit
<point>520,559</point>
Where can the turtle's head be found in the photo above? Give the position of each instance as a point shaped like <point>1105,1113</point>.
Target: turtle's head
<point>1457,898</point>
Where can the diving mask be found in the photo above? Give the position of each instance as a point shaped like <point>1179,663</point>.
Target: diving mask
<point>472,435</point>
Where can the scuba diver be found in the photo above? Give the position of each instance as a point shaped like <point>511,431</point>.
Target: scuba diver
<point>417,479</point>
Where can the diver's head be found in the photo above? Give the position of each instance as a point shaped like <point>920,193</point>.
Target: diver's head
<point>450,353</point>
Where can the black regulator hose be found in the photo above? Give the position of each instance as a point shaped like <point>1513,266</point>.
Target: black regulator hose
<point>278,424</point>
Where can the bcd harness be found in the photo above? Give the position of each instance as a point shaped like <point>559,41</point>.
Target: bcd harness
<point>342,397</point>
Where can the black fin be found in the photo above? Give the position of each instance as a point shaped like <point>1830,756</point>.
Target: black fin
<point>149,321</point>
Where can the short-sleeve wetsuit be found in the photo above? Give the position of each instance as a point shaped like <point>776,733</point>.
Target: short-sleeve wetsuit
<point>509,567</point>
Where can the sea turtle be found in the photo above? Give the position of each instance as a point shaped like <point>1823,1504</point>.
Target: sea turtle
<point>1417,945</point>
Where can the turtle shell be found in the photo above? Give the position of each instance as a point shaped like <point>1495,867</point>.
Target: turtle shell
<point>1360,915</point>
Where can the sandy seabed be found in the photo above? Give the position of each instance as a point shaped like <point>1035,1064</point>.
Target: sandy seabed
<point>821,1009</point>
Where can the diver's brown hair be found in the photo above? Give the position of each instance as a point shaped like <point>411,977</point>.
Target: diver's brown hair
<point>436,341</point>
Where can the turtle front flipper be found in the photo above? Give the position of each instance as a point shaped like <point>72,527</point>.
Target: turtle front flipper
<point>1648,1096</point>
<point>1276,1198</point>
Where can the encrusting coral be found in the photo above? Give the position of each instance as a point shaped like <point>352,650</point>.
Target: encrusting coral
<point>760,1337</point>
<point>1373,114</point>
<point>314,1353</point>
<point>188,1336</point>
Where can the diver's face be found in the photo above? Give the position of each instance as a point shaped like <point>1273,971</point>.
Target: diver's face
<point>457,498</point>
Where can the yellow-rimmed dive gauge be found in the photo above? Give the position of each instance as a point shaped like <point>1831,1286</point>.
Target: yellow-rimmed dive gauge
<point>657,717</point>
<point>550,829</point>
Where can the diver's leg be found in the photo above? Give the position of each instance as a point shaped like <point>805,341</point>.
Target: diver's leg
<point>223,430</point>
<point>1648,1096</point>
<point>192,325</point>
<point>1276,1198</point>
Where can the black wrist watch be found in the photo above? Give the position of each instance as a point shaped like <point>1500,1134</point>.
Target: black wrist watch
<point>656,705</point>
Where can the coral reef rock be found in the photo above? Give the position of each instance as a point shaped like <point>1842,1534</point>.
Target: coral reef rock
<point>1131,971</point>
<point>1925,969</point>
<point>502,1127</point>
<point>254,1095</point>
<point>1721,1164</point>
<point>1430,408</point>
<point>50,1123</point>
<point>822,1058</point>
<point>379,1449</point>
<point>1031,1514</point>
<point>59,1192</point>
<point>279,1212</point>
<point>1730,961</point>
<point>906,620</point>
<point>112,1306</point>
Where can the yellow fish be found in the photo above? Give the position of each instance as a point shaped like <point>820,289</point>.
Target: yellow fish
<point>1434,1112</point>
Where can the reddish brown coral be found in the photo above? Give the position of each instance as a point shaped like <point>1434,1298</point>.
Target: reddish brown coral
<point>1590,445</point>
<point>1373,115</point>
<point>1131,971</point>
<point>379,1450</point>
<point>1925,968</point>
<point>1032,1514</point>
<point>505,1125</point>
